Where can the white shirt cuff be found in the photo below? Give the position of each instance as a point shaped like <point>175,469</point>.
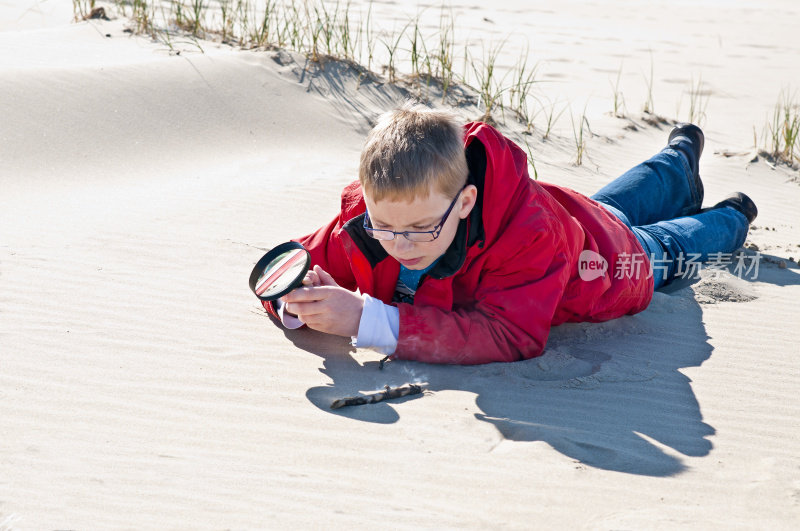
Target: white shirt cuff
<point>379,327</point>
<point>289,321</point>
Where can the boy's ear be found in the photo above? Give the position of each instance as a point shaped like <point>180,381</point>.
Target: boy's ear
<point>469,196</point>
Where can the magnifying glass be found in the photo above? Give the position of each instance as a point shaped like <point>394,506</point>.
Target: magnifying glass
<point>280,271</point>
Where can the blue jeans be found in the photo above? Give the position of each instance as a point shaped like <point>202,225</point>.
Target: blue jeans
<point>658,200</point>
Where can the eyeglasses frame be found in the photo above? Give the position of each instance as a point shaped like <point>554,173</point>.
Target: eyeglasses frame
<point>437,230</point>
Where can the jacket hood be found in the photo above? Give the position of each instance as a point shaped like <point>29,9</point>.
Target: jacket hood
<point>500,190</point>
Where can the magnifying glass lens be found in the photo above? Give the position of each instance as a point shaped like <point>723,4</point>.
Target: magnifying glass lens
<point>281,273</point>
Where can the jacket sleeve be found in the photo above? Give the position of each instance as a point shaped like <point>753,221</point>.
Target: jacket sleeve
<point>327,250</point>
<point>510,319</point>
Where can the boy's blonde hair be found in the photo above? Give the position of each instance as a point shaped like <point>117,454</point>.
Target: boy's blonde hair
<point>411,151</point>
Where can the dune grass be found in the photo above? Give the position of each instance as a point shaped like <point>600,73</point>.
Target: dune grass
<point>551,117</point>
<point>649,104</point>
<point>698,101</point>
<point>520,92</point>
<point>82,8</point>
<point>779,142</point>
<point>490,87</point>
<point>333,30</point>
<point>579,135</point>
<point>422,58</point>
<point>785,129</point>
<point>619,99</point>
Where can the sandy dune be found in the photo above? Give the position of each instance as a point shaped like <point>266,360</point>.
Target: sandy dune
<point>141,385</point>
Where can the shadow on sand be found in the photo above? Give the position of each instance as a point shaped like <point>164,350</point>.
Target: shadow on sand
<point>609,395</point>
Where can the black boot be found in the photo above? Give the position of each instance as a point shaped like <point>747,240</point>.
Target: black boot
<point>689,140</point>
<point>740,202</point>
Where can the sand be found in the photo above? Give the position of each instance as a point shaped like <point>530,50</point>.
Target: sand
<point>142,386</point>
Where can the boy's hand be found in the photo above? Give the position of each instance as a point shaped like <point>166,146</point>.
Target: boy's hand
<point>324,305</point>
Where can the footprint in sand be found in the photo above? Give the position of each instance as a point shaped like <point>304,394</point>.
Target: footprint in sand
<point>558,364</point>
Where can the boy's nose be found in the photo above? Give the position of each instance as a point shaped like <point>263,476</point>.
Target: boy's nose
<point>402,245</point>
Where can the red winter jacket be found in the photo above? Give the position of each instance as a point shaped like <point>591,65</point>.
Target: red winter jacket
<point>511,272</point>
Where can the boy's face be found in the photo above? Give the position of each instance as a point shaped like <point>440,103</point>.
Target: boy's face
<point>420,214</point>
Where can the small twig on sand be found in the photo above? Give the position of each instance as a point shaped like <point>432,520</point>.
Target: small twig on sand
<point>386,394</point>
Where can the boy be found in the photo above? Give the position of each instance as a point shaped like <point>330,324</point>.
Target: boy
<point>460,257</point>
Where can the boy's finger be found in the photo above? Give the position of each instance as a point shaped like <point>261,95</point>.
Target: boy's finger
<point>306,310</point>
<point>307,294</point>
<point>311,279</point>
<point>325,278</point>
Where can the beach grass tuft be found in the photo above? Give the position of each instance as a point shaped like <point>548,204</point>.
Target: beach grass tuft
<point>578,133</point>
<point>698,101</point>
<point>519,93</point>
<point>649,104</point>
<point>489,87</point>
<point>619,99</point>
<point>551,117</point>
<point>81,9</point>
<point>783,130</point>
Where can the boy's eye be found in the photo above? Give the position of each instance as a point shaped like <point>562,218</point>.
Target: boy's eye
<point>413,227</point>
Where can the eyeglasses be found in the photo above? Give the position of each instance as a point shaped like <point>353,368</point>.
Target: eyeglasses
<point>410,235</point>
